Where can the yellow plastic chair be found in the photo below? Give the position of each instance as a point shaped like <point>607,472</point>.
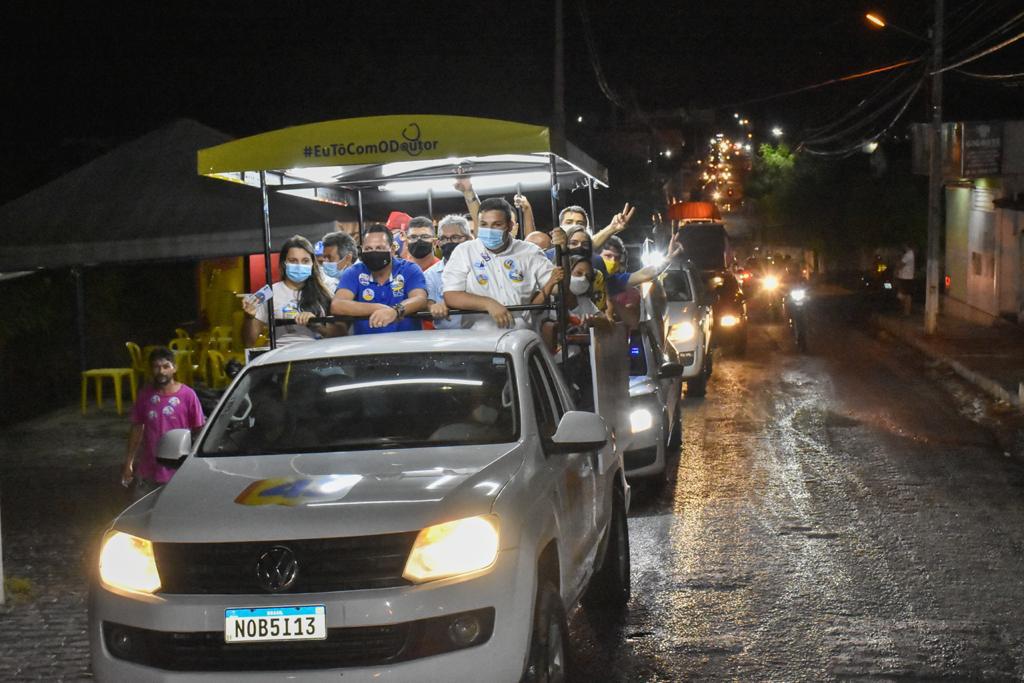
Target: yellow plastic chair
<point>117,376</point>
<point>180,333</point>
<point>180,344</point>
<point>185,371</point>
<point>216,378</point>
<point>139,367</point>
<point>237,322</point>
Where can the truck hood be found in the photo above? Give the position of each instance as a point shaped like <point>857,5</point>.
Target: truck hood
<point>318,495</point>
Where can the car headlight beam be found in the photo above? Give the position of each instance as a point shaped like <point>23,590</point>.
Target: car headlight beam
<point>127,563</point>
<point>640,420</point>
<point>682,332</point>
<point>770,282</point>
<point>453,548</point>
<point>798,294</point>
<point>729,320</point>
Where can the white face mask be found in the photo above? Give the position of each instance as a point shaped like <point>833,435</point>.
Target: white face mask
<point>579,285</point>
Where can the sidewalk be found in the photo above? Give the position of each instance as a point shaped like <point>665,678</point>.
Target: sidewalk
<point>59,489</point>
<point>991,358</point>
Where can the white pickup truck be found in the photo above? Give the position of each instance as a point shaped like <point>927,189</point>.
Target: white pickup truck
<point>396,507</point>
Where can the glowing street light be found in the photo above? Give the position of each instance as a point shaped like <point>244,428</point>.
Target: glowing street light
<point>777,132</point>
<point>878,21</point>
<point>716,195</point>
<point>875,19</point>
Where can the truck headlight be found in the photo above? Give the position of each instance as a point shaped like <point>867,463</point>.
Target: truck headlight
<point>127,563</point>
<point>728,320</point>
<point>682,332</point>
<point>453,548</point>
<point>640,420</point>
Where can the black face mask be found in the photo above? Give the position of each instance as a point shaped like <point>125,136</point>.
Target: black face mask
<point>420,248</point>
<point>375,260</point>
<point>447,248</point>
<point>584,251</point>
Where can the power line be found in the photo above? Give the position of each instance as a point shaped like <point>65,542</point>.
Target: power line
<point>854,148</point>
<point>861,105</point>
<point>865,121</point>
<point>595,61</point>
<point>831,81</point>
<point>984,53</point>
<point>973,74</point>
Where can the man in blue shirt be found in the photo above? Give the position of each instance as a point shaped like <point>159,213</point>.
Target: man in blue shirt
<point>381,286</point>
<point>452,231</point>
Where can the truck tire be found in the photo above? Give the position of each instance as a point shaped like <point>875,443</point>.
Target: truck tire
<point>610,587</point>
<point>548,659</point>
<point>698,386</point>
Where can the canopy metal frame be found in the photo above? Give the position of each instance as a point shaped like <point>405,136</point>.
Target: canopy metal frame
<point>489,148</point>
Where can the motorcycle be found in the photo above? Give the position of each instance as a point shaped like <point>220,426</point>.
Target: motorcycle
<point>796,308</point>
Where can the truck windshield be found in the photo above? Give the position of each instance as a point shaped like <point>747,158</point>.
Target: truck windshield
<point>367,402</point>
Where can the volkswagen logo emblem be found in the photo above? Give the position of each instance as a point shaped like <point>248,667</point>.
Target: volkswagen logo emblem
<point>277,569</point>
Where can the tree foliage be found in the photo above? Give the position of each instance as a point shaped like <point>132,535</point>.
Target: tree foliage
<point>837,206</point>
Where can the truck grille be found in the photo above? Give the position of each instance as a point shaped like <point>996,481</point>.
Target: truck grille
<point>344,647</point>
<point>327,564</point>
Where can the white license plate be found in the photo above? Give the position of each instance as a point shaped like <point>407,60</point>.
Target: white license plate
<point>261,624</point>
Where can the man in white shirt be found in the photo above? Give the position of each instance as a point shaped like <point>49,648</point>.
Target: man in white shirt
<point>905,278</point>
<point>496,270</point>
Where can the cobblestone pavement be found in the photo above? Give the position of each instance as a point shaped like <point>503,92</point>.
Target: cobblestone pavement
<point>58,489</point>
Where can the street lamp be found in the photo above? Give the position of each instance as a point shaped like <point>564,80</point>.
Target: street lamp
<point>877,20</point>
<point>777,132</point>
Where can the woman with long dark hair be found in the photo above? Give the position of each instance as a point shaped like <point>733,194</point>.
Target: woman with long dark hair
<point>301,295</point>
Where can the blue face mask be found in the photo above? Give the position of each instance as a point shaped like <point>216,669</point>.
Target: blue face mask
<point>330,268</point>
<point>298,272</point>
<point>491,237</point>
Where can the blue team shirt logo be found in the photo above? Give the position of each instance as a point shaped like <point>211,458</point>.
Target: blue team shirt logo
<point>364,279</point>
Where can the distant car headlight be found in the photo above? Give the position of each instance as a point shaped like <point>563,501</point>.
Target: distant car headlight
<point>770,282</point>
<point>798,294</point>
<point>453,548</point>
<point>640,420</point>
<point>127,563</point>
<point>682,332</point>
<point>728,320</point>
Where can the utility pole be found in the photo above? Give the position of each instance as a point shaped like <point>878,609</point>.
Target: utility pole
<point>935,185</point>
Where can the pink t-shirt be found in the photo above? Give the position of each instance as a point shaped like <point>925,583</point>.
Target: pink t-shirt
<point>160,413</point>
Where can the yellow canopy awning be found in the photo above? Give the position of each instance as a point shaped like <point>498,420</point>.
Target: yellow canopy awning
<point>373,140</point>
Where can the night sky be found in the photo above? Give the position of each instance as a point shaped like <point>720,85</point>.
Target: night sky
<point>80,77</point>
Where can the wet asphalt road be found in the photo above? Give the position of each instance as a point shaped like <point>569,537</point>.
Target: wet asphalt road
<point>847,514</point>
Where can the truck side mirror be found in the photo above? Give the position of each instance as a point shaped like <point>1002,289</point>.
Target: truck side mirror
<point>578,431</point>
<point>174,447</point>
<point>670,370</point>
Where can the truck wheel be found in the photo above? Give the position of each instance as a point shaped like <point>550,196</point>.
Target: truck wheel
<point>698,386</point>
<point>610,587</point>
<point>549,641</point>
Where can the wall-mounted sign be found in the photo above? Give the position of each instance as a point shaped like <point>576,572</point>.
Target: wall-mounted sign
<point>982,145</point>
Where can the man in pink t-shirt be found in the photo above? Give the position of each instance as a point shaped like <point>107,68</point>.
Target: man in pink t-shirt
<point>167,404</point>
